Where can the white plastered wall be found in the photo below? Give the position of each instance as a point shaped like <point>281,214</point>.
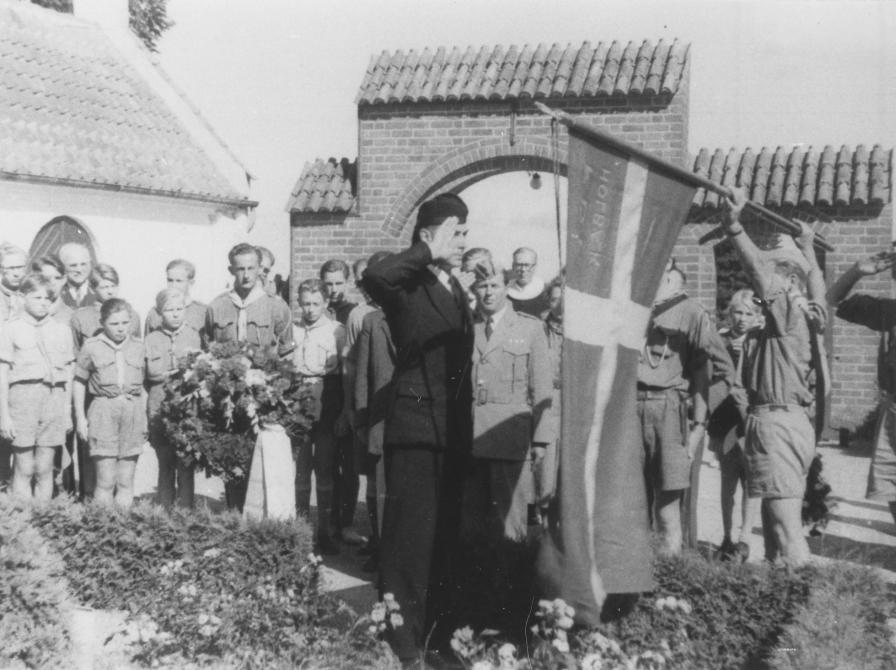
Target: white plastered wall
<point>137,234</point>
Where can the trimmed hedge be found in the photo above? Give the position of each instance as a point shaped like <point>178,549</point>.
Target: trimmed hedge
<point>34,601</point>
<point>198,586</point>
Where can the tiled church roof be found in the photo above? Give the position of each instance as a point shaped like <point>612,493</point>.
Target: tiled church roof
<point>73,110</point>
<point>800,176</point>
<point>543,71</point>
<point>324,186</point>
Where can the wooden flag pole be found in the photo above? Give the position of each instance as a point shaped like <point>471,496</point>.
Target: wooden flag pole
<point>785,224</point>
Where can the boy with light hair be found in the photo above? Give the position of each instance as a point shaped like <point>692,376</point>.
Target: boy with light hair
<point>180,274</point>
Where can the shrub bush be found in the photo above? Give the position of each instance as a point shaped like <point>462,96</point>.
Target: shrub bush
<point>34,602</point>
<point>844,624</point>
<point>736,612</point>
<point>198,585</point>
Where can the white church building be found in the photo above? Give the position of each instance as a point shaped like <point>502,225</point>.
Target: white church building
<point>98,146</point>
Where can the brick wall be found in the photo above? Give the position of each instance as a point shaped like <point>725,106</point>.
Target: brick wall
<point>853,349</point>
<point>408,152</point>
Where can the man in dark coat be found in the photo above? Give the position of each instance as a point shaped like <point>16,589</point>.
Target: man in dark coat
<point>428,428</point>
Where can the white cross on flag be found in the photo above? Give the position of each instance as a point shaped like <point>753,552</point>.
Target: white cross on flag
<point>625,213</point>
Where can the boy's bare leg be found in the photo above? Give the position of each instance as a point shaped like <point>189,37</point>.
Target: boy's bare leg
<point>43,472</point>
<point>728,488</point>
<point>124,480</point>
<point>105,470</point>
<point>22,471</point>
<point>787,522</point>
<point>668,515</point>
<point>772,549</point>
<point>749,514</point>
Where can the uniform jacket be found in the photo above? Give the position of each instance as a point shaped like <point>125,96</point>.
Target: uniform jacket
<point>433,334</point>
<point>513,385</point>
<point>36,350</point>
<point>680,340</point>
<point>268,322</point>
<point>375,365</point>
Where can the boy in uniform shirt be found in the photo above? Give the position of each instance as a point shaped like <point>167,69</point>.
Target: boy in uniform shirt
<point>180,274</point>
<point>247,313</point>
<point>319,343</point>
<point>780,436</point>
<point>682,352</point>
<point>36,358</point>
<point>110,370</point>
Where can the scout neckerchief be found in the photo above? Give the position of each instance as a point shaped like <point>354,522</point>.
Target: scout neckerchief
<point>119,359</point>
<point>172,334</point>
<point>42,345</point>
<point>658,309</point>
<point>242,305</point>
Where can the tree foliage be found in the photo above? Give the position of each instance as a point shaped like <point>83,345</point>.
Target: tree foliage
<point>148,18</point>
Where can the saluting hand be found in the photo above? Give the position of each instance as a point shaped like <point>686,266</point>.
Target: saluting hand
<point>443,244</point>
<point>7,430</point>
<point>883,260</point>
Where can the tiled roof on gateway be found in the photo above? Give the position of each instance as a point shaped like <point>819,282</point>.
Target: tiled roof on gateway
<point>542,71</point>
<point>74,111</point>
<point>324,186</point>
<point>800,176</point>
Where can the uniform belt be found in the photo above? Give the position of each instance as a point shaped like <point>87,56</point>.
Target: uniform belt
<point>760,409</point>
<point>654,394</point>
<point>43,382</point>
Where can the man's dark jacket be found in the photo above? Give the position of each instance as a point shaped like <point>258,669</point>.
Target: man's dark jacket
<point>433,335</point>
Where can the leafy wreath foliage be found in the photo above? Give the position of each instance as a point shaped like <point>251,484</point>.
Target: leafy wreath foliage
<point>216,403</point>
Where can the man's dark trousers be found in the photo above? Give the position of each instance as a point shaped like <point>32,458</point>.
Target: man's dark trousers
<point>421,523</point>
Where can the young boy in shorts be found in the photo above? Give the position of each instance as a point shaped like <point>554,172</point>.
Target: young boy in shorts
<point>111,368</point>
<point>780,436</point>
<point>35,382</point>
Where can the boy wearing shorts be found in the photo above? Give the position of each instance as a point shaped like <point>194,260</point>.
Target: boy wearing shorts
<point>111,369</point>
<point>35,381</point>
<point>780,436</point>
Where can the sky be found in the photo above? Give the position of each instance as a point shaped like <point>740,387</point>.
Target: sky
<point>277,79</point>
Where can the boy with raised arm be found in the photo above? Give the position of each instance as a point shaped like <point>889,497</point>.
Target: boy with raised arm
<point>780,436</point>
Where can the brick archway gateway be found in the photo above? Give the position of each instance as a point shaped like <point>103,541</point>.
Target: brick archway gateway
<point>444,119</point>
<point>464,167</point>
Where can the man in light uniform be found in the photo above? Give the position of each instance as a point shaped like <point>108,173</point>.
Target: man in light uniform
<point>512,392</point>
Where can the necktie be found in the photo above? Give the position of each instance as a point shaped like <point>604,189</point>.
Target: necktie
<point>489,328</point>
